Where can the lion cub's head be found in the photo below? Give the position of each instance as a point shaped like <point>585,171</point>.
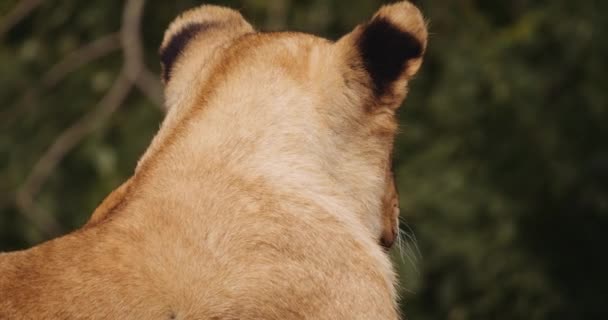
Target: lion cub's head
<point>311,117</point>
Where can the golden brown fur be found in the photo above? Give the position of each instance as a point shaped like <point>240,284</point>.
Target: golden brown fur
<point>265,194</point>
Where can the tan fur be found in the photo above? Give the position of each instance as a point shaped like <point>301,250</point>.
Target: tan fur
<point>264,195</point>
<point>390,216</point>
<point>109,204</point>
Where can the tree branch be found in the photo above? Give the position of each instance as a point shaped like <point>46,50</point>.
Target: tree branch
<point>79,57</point>
<point>19,12</point>
<point>66,141</point>
<point>131,40</point>
<point>72,61</point>
<point>150,86</point>
<point>131,73</point>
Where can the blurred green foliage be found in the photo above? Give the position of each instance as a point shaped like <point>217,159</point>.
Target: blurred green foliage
<point>502,163</point>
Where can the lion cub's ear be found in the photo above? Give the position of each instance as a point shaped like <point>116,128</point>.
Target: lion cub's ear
<point>191,39</point>
<point>389,48</point>
<point>217,24</point>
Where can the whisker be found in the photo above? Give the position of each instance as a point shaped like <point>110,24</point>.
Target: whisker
<point>406,252</point>
<point>411,236</point>
<point>412,241</point>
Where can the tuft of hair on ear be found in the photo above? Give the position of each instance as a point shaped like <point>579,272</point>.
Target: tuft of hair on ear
<point>392,44</point>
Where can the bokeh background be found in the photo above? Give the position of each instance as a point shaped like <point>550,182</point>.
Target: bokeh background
<point>502,163</point>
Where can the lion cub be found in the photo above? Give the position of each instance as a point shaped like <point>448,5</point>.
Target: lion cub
<point>263,196</point>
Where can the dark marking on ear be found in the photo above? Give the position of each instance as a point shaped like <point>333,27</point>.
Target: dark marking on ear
<point>385,50</point>
<point>172,50</point>
<point>170,53</point>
